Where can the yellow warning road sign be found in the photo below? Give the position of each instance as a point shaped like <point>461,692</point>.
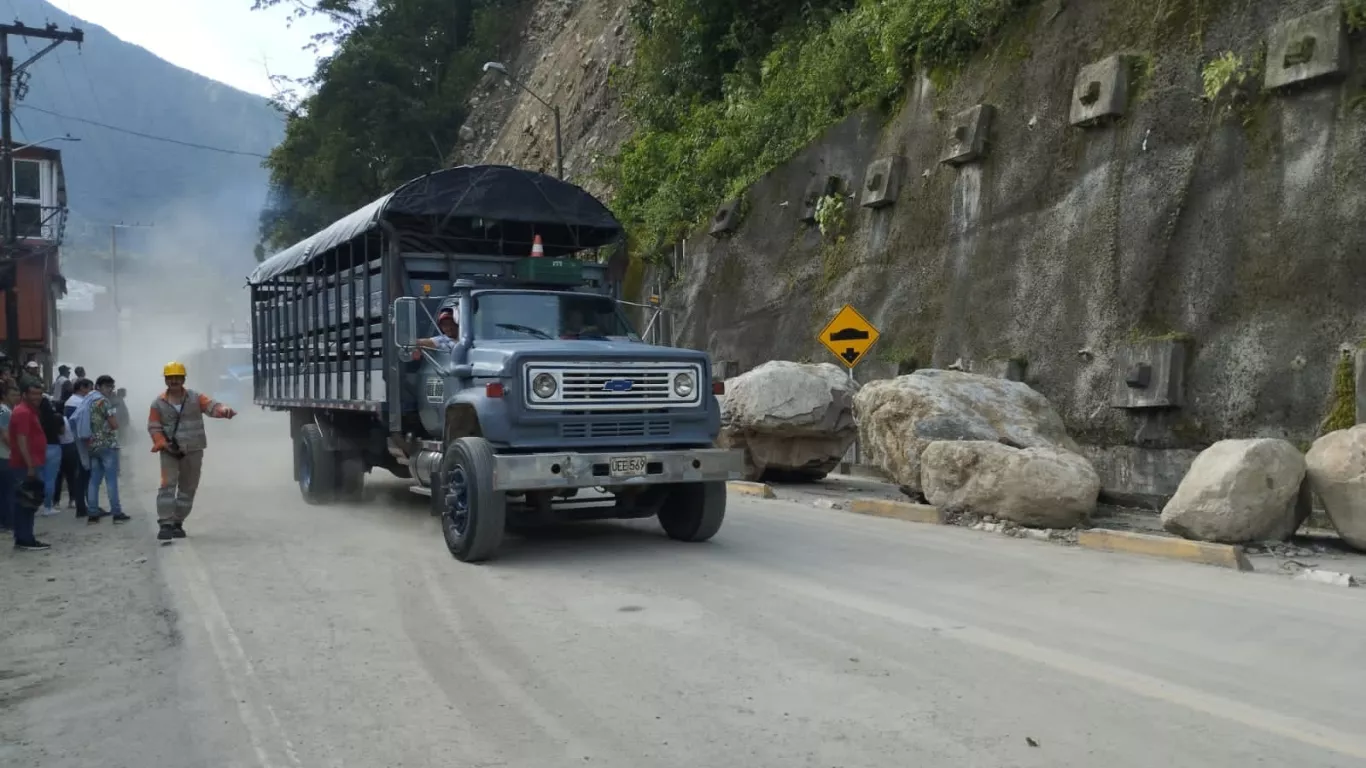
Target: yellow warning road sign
<point>849,336</point>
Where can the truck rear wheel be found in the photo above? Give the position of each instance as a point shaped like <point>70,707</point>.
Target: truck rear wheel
<point>350,477</point>
<point>316,467</point>
<point>693,511</point>
<point>473,515</point>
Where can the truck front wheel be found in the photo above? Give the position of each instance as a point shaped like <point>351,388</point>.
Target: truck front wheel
<point>473,515</point>
<point>693,511</point>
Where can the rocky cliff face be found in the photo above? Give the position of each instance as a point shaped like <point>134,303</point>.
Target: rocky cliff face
<point>565,54</point>
<point>1235,224</point>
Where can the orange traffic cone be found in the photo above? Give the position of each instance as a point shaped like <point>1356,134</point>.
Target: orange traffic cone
<point>537,249</point>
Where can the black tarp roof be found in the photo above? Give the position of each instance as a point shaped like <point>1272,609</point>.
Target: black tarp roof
<point>518,202</point>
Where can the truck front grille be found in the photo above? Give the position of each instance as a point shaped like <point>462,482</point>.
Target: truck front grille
<point>609,429</point>
<point>602,386</point>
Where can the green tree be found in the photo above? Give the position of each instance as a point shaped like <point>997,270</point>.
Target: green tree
<point>382,108</point>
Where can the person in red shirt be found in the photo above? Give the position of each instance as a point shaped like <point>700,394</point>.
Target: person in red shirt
<point>28,450</point>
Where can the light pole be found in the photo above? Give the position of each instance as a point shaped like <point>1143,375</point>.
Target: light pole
<point>66,137</point>
<point>498,66</point>
<point>114,282</point>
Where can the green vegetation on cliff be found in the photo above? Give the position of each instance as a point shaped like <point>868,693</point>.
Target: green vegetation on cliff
<point>724,92</point>
<point>1342,406</point>
<point>383,108</point>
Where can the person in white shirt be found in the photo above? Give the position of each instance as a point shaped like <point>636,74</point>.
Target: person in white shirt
<point>74,462</point>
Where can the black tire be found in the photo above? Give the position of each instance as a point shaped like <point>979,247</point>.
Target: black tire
<point>694,511</point>
<point>316,467</point>
<point>350,477</point>
<point>473,515</point>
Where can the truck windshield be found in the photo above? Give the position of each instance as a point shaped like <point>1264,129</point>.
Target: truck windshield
<point>521,316</point>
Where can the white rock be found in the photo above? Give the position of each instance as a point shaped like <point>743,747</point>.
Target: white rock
<point>1037,487</point>
<point>898,418</point>
<point>1240,491</point>
<point>1337,473</point>
<point>789,417</point>
<point>1320,576</point>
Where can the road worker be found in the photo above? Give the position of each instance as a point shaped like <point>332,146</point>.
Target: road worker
<point>176,424</point>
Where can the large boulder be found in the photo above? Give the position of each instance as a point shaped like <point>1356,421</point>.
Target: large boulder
<point>793,419</point>
<point>898,418</point>
<point>1240,491</point>
<point>1337,473</point>
<point>1036,487</point>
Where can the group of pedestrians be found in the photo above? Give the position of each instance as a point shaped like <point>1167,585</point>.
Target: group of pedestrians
<point>67,432</point>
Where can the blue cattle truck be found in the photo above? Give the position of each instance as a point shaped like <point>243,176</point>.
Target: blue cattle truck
<point>545,406</point>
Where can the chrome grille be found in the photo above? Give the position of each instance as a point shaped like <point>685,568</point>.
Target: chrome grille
<point>588,386</point>
<point>605,386</point>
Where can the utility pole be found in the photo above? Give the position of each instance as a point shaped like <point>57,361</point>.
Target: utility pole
<point>114,282</point>
<point>9,249</point>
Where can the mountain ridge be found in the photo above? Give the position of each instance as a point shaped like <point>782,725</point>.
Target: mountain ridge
<point>209,201</point>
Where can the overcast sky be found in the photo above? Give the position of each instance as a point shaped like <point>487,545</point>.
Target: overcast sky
<point>221,39</point>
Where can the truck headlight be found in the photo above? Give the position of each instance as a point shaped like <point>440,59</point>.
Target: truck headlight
<point>544,386</point>
<point>684,385</point>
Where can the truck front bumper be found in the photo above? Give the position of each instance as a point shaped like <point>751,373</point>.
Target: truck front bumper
<point>548,471</point>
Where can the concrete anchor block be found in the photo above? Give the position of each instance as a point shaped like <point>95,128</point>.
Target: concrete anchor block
<point>1150,374</point>
<point>746,488</point>
<point>726,219</point>
<point>967,140</point>
<point>1223,555</point>
<point>882,182</point>
<point>819,187</point>
<point>1101,91</point>
<point>898,510</point>
<point>1307,48</point>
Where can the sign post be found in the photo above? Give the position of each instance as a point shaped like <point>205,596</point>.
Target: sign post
<point>849,336</point>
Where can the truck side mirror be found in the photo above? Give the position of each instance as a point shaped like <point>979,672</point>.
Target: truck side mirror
<point>404,319</point>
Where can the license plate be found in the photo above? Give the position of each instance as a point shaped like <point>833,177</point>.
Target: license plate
<point>628,466</point>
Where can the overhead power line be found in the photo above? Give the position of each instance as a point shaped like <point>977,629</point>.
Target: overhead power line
<point>140,134</point>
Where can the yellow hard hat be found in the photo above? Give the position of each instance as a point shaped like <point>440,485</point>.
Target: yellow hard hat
<point>173,369</point>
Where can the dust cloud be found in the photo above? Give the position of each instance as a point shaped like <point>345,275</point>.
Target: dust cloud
<point>178,281</point>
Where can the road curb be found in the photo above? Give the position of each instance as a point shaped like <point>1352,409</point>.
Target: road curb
<point>1223,555</point>
<point>899,510</point>
<point>746,488</point>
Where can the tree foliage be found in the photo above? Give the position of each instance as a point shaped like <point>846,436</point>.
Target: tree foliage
<point>383,106</point>
<point>723,92</point>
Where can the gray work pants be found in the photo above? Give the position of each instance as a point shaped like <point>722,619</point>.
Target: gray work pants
<point>179,481</point>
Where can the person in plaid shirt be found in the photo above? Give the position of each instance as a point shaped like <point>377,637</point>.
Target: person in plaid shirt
<point>104,450</point>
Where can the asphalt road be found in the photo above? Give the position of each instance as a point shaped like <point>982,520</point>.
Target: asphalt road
<point>287,635</point>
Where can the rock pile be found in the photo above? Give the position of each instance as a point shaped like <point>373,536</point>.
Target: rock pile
<point>977,445</point>
<point>899,418</point>
<point>1337,473</point>
<point>793,420</point>
<point>1034,487</point>
<point>1241,491</point>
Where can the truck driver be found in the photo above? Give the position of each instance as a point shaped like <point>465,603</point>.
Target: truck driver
<point>450,333</point>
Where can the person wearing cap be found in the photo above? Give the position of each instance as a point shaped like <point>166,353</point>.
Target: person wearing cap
<point>32,373</point>
<point>450,333</point>
<point>61,386</point>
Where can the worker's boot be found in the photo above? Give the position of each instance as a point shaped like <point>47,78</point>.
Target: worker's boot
<point>178,530</point>
<point>166,533</point>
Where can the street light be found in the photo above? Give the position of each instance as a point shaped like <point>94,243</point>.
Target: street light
<point>498,66</point>
<point>67,137</point>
